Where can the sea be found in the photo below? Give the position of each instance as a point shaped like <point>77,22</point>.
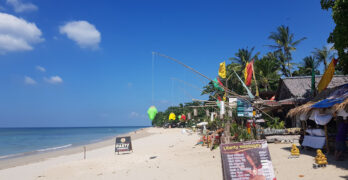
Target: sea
<point>16,142</point>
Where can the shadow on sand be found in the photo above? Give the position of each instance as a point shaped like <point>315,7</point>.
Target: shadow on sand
<point>330,158</point>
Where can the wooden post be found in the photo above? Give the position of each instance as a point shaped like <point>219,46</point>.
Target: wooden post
<point>327,139</point>
<point>84,152</point>
<point>304,128</point>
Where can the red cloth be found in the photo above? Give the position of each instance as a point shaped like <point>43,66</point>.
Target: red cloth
<point>249,71</point>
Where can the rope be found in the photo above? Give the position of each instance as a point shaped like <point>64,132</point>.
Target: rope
<point>225,88</point>
<point>153,76</point>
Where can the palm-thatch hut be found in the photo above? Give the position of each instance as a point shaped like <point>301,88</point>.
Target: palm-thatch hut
<point>293,92</point>
<point>299,88</point>
<point>328,105</point>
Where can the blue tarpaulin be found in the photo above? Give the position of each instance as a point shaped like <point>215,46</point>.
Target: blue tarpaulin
<point>338,96</point>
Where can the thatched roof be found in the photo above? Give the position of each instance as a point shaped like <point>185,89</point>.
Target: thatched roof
<point>343,105</point>
<point>299,87</point>
<point>305,108</point>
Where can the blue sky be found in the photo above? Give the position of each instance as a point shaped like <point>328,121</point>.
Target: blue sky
<point>88,63</point>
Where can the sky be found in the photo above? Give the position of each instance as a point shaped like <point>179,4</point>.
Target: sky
<point>89,63</point>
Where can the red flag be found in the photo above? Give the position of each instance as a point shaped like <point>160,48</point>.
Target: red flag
<point>220,82</point>
<point>219,98</point>
<point>248,73</point>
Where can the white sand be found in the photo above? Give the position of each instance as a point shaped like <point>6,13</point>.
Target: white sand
<point>165,154</point>
<point>174,157</point>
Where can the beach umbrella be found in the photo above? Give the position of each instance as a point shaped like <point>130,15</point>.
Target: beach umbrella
<point>152,111</point>
<point>172,116</point>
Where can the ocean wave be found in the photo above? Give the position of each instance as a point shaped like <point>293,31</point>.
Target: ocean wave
<point>54,148</point>
<point>11,155</point>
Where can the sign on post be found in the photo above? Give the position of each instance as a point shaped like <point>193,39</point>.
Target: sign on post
<point>123,144</point>
<point>246,160</point>
<point>244,108</point>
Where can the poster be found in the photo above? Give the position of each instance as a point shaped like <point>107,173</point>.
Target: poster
<point>246,160</point>
<point>123,144</point>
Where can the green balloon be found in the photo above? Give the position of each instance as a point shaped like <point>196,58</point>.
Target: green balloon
<point>152,111</point>
<point>179,117</point>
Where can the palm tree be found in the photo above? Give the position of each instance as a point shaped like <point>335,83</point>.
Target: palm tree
<point>309,63</point>
<point>284,41</point>
<point>266,70</point>
<point>323,55</point>
<point>243,56</point>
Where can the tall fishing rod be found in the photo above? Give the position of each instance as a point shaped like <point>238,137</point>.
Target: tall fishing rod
<point>197,72</point>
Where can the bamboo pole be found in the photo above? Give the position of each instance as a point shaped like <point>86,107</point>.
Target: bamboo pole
<point>197,72</point>
<point>257,89</point>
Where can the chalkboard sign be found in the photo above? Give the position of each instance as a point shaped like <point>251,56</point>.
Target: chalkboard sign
<point>246,160</point>
<point>123,144</point>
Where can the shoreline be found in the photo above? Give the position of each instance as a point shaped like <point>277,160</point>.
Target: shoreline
<point>34,157</point>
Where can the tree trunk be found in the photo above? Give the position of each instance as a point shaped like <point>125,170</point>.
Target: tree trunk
<point>325,65</point>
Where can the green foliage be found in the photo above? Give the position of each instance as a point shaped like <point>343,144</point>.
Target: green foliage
<point>243,56</point>
<point>308,64</point>
<point>266,71</point>
<point>162,117</point>
<point>339,36</point>
<point>240,133</point>
<point>323,55</point>
<point>275,123</point>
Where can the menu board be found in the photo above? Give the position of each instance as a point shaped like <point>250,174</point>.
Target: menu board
<point>123,144</point>
<point>247,160</point>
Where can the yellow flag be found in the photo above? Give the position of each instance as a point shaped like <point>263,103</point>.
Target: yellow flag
<point>327,77</point>
<point>222,70</point>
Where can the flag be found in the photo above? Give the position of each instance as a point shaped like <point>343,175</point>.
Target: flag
<point>222,70</point>
<point>326,79</point>
<point>248,73</point>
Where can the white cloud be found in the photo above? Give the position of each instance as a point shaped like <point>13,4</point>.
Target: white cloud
<point>29,80</point>
<point>16,34</point>
<point>134,115</point>
<point>40,68</point>
<point>22,7</point>
<point>83,33</point>
<point>54,80</point>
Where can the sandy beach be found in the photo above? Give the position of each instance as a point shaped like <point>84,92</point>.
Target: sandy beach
<point>158,154</point>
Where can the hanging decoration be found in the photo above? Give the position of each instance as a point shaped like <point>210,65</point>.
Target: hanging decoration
<point>172,116</point>
<point>152,111</point>
<point>248,73</point>
<point>183,118</point>
<point>222,70</point>
<point>217,84</point>
<point>195,113</point>
<point>207,112</point>
<point>327,77</point>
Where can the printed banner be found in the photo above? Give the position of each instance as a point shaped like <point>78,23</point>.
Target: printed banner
<point>246,160</point>
<point>123,144</point>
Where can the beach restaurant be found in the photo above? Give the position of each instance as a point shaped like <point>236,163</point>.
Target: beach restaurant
<point>320,116</point>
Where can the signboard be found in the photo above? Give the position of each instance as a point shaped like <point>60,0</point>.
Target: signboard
<point>246,160</point>
<point>123,144</point>
<point>233,102</point>
<point>244,108</point>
